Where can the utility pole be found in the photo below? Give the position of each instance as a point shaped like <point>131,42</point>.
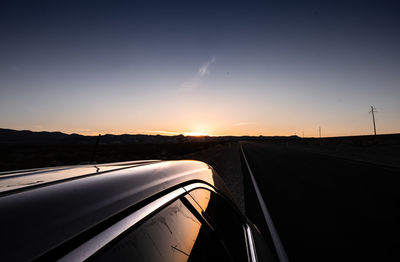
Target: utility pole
<point>373,117</point>
<point>95,149</point>
<point>319,132</point>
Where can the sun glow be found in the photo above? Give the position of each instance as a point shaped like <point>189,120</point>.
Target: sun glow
<point>195,134</point>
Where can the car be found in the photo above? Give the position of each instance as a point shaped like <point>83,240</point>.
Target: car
<point>126,211</point>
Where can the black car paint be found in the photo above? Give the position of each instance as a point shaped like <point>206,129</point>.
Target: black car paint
<point>44,220</point>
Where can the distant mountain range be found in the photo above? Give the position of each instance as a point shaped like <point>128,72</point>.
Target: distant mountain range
<point>10,136</point>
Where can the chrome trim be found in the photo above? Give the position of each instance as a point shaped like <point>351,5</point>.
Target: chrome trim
<point>270,224</point>
<point>99,241</point>
<point>198,185</point>
<point>250,244</point>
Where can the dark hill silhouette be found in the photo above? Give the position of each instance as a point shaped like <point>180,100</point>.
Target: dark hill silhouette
<point>9,136</point>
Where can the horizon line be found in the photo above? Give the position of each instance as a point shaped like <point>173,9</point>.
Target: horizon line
<point>172,134</point>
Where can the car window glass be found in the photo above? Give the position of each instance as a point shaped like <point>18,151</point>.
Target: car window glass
<point>227,222</point>
<point>202,197</point>
<point>173,234</point>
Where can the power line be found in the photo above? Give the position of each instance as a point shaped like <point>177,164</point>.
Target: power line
<point>373,110</point>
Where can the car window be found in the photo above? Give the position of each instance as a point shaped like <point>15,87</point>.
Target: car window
<point>227,222</point>
<point>173,234</point>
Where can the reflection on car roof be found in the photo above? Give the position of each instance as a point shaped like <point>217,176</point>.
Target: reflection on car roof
<point>26,178</point>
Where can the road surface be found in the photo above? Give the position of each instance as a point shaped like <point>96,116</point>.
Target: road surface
<point>324,208</point>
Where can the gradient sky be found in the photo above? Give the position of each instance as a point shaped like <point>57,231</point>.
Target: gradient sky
<point>218,67</point>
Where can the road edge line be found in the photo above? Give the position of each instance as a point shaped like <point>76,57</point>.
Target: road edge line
<point>270,224</point>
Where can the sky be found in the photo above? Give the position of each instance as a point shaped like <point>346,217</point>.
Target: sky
<point>200,67</point>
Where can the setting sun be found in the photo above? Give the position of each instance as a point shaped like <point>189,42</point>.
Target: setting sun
<point>195,134</point>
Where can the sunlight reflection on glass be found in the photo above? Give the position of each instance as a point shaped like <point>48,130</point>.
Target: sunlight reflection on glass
<point>202,197</point>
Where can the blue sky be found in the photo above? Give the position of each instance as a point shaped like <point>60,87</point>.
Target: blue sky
<point>218,67</point>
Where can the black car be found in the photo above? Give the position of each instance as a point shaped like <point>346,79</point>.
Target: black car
<point>129,211</point>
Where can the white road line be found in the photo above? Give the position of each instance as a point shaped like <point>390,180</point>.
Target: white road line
<point>274,234</point>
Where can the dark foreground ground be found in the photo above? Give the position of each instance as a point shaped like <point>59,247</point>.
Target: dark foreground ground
<point>330,199</point>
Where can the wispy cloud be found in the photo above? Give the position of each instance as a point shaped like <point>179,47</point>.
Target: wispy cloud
<point>243,123</point>
<point>84,130</point>
<point>190,85</point>
<point>204,69</point>
<point>197,79</point>
<point>161,132</point>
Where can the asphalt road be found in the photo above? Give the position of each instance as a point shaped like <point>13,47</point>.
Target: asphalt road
<point>325,208</point>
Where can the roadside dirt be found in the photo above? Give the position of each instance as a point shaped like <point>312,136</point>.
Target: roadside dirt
<point>225,159</point>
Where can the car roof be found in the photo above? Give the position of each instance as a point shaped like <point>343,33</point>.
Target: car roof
<point>37,217</point>
<point>22,179</point>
